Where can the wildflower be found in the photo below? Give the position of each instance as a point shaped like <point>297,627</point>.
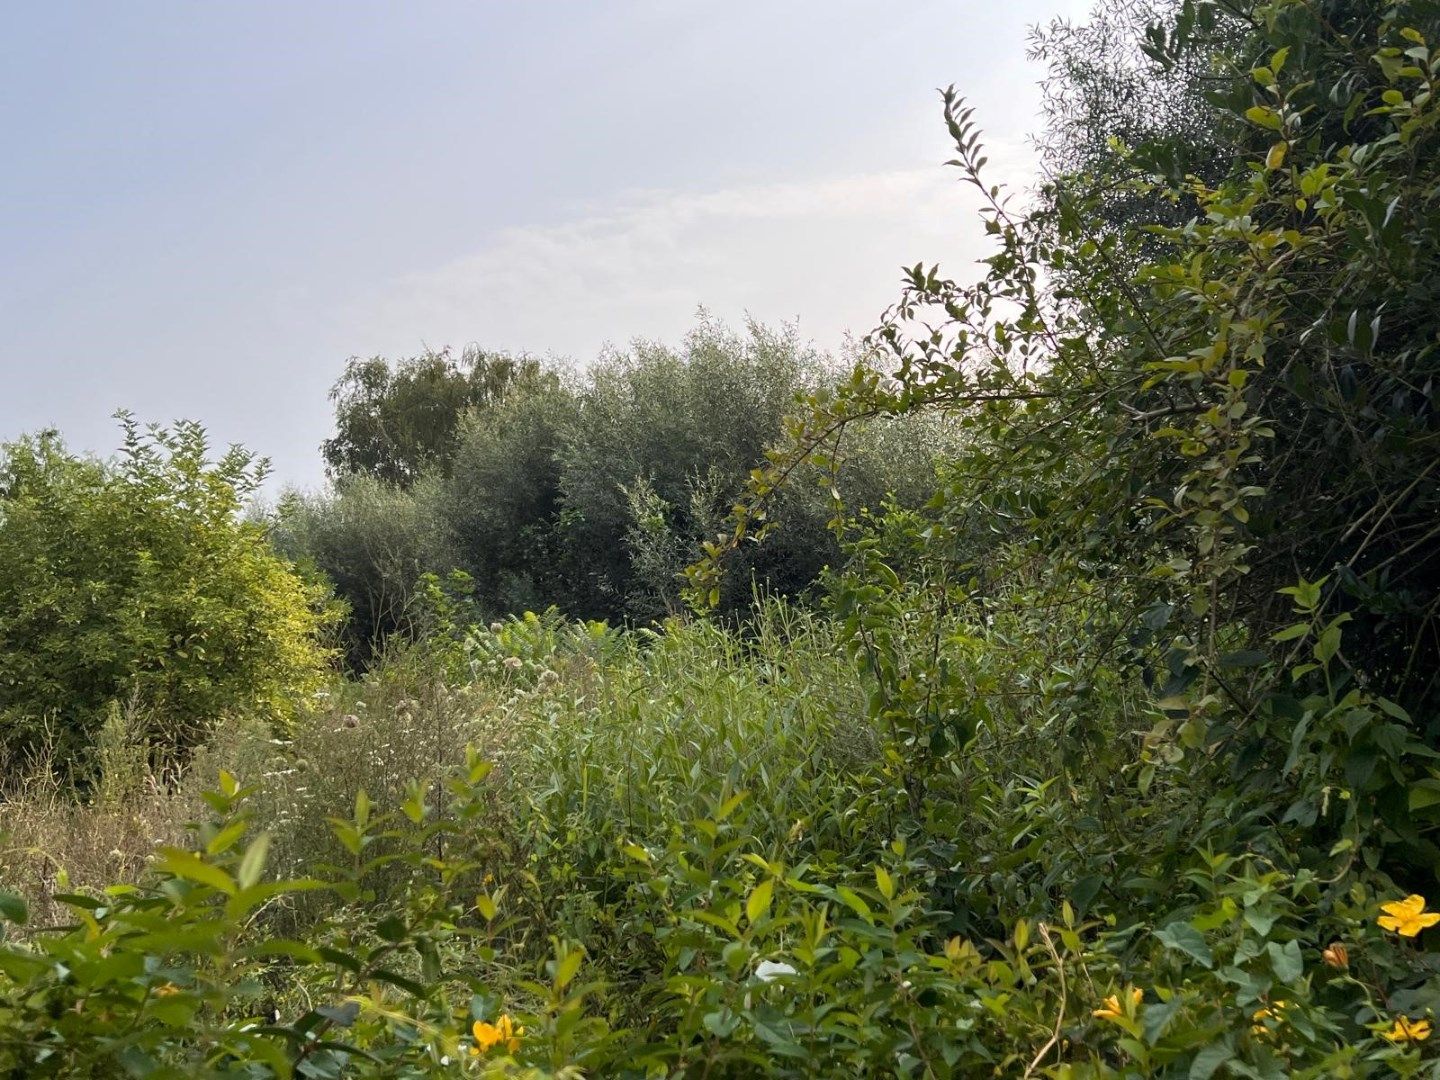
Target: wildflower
<point>1336,955</point>
<point>165,990</point>
<point>1407,917</point>
<point>1113,1010</point>
<point>1407,1030</point>
<point>513,662</point>
<point>1269,1012</point>
<point>769,970</point>
<point>490,1035</point>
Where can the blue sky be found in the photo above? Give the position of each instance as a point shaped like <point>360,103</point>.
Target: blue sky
<point>205,208</point>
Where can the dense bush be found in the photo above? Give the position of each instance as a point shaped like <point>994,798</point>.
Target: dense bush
<point>683,854</point>
<point>1171,449</point>
<point>592,493</point>
<point>134,583</point>
<point>372,542</point>
<point>664,441</point>
<point>501,504</point>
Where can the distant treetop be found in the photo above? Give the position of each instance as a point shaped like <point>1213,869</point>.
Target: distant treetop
<point>395,421</point>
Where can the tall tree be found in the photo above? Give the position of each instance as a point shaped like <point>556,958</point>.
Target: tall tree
<point>395,422</point>
<point>1131,91</point>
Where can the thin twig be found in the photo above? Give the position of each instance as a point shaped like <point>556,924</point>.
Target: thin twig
<point>1054,1039</point>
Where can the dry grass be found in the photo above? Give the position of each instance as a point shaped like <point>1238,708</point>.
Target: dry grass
<point>50,843</point>
<point>403,725</point>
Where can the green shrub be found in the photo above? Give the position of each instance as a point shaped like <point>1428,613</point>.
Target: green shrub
<point>135,583</point>
<point>592,494</point>
<point>697,895</point>
<point>500,502</point>
<point>372,542</point>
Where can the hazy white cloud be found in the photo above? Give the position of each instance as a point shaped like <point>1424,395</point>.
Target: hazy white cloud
<point>316,181</point>
<point>825,252</point>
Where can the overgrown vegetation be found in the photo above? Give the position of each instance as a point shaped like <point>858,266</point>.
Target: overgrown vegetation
<point>132,585</point>
<point>1102,746</point>
<point>589,493</point>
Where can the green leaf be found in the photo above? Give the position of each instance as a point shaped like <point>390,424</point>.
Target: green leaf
<point>636,852</point>
<point>758,903</point>
<point>1328,644</point>
<point>1285,960</point>
<point>226,837</point>
<point>1291,632</point>
<point>1183,937</point>
<point>13,909</point>
<point>1264,116</point>
<point>855,903</point>
<point>728,807</point>
<point>1209,1059</point>
<point>187,865</point>
<point>1157,1016</point>
<point>567,968</point>
<point>252,865</point>
<point>1424,793</point>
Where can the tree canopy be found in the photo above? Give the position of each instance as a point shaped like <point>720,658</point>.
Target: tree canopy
<point>395,421</point>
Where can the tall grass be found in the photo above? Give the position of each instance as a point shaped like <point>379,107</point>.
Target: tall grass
<point>598,738</point>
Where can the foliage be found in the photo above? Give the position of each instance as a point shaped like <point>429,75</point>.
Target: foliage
<point>686,426</point>
<point>501,504</point>
<point>718,881</point>
<point>1132,85</point>
<point>372,542</point>
<point>1140,438</point>
<point>1112,757</point>
<point>134,583</point>
<point>592,494</point>
<point>396,422</point>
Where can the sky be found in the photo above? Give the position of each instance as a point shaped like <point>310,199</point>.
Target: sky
<point>206,208</point>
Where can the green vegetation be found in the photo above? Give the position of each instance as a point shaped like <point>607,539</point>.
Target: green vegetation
<point>1083,723</point>
<point>396,423</point>
<point>133,584</point>
<point>590,493</point>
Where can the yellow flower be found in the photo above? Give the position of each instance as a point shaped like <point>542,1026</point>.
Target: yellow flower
<point>165,990</point>
<point>1407,1030</point>
<point>490,1035</point>
<point>1407,917</point>
<point>1270,1012</point>
<point>1336,955</point>
<point>1113,1010</point>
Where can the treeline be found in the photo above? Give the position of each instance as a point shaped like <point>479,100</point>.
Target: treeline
<point>524,484</point>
